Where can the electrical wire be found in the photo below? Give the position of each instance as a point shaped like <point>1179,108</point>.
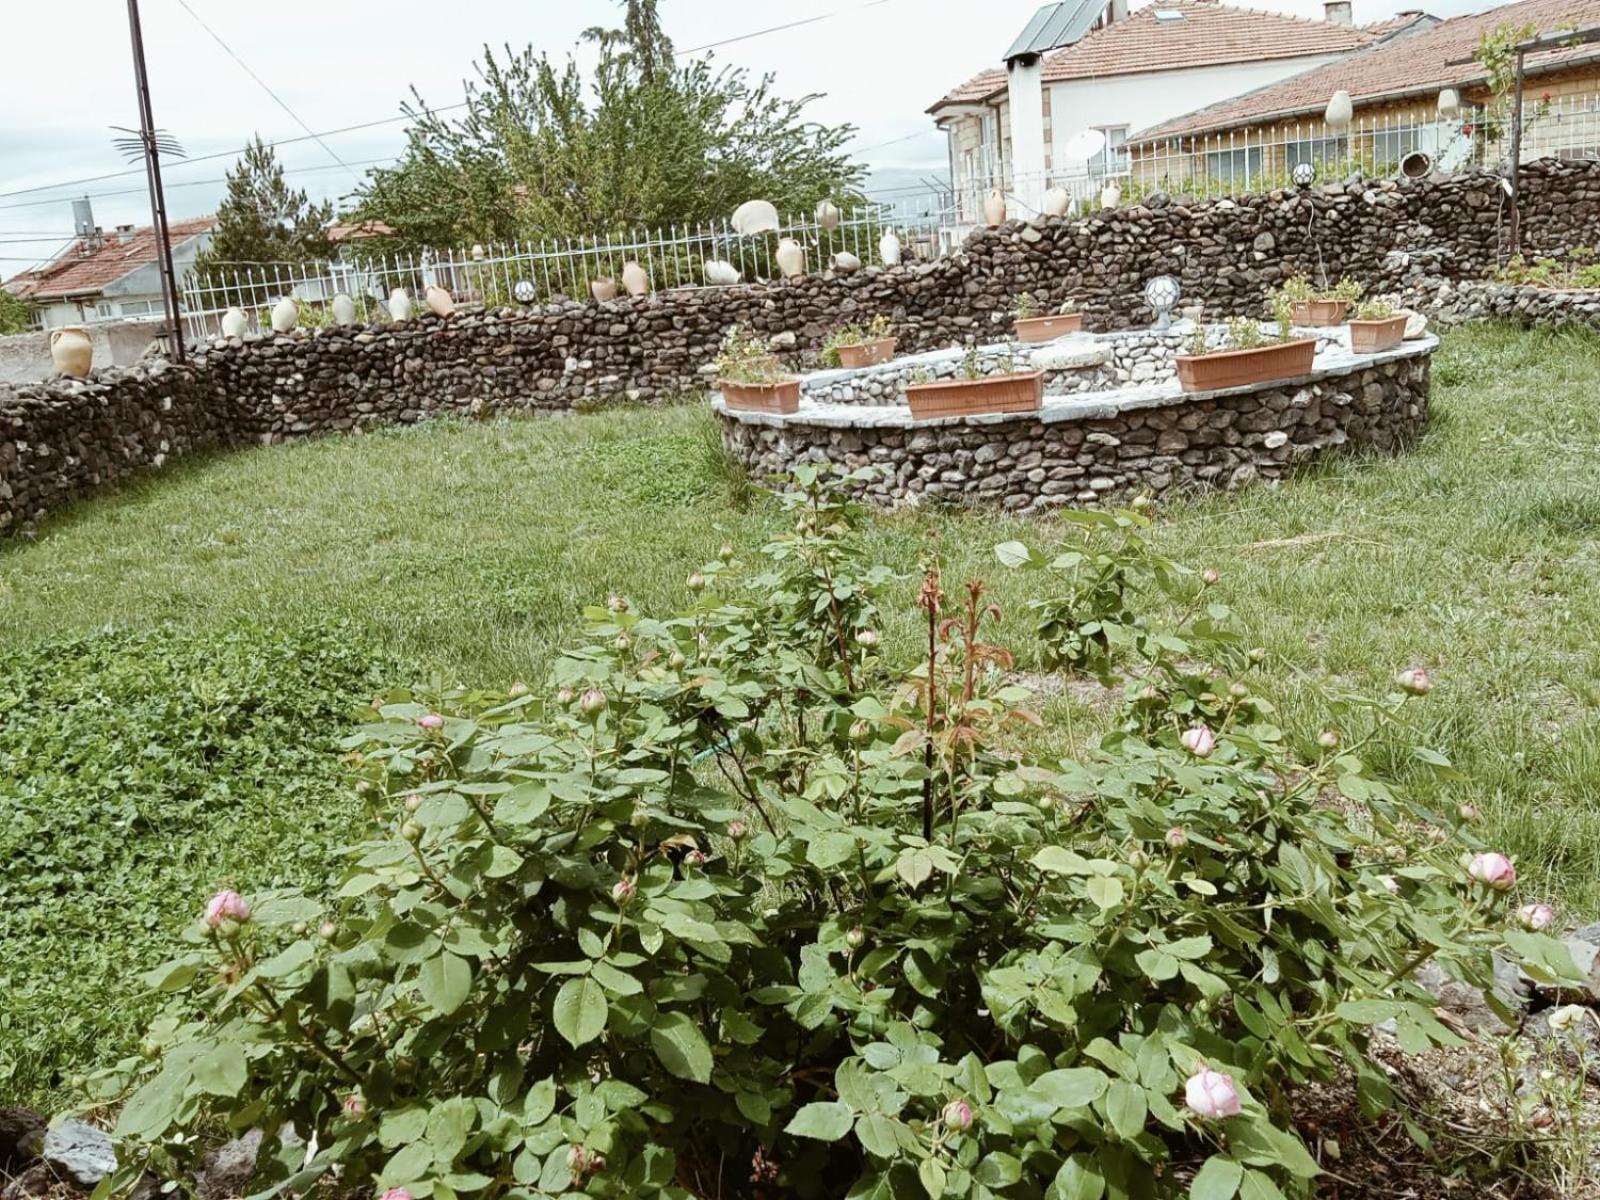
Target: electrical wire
<point>745,37</point>
<point>366,162</point>
<point>277,99</point>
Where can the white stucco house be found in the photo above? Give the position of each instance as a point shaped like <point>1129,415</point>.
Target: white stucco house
<point>1094,64</point>
<point>104,277</point>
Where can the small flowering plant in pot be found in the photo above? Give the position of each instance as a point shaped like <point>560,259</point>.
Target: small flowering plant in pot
<point>750,378</point>
<point>741,906</point>
<point>854,347</point>
<point>1245,355</point>
<point>1315,306</point>
<point>1032,326</point>
<point>973,393</point>
<point>1376,326</point>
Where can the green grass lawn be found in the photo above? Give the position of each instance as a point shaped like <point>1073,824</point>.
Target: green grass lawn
<point>469,550</point>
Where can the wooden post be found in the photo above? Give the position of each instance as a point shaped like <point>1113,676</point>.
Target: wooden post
<point>1514,167</point>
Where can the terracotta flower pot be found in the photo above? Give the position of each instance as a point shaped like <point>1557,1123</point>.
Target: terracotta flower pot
<point>1022,392</point>
<point>1320,312</point>
<point>867,354</point>
<point>780,397</point>
<point>1369,337</point>
<point>1235,368</point>
<point>72,351</point>
<point>1047,329</point>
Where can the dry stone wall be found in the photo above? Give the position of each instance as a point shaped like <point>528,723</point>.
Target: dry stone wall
<point>63,439</point>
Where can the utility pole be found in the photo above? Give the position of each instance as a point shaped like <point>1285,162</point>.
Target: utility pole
<point>158,199</point>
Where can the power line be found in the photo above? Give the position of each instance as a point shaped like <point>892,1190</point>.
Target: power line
<point>367,162</point>
<point>277,99</point>
<point>745,37</point>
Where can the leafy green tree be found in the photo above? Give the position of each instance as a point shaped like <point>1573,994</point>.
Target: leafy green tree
<point>16,314</point>
<point>542,150</point>
<point>263,220</point>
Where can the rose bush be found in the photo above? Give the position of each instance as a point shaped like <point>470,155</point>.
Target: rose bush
<point>744,909</point>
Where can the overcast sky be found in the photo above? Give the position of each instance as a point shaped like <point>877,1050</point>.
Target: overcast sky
<point>66,78</point>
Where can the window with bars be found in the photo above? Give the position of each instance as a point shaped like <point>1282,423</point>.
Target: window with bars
<point>1234,166</point>
<point>1319,152</point>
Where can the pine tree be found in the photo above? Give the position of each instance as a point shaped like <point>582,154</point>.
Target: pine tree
<point>263,221</point>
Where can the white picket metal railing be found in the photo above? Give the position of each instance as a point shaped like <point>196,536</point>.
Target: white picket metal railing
<point>530,272</point>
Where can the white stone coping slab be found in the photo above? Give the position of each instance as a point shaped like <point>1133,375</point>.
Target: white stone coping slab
<point>1071,351</point>
<point>1333,359</point>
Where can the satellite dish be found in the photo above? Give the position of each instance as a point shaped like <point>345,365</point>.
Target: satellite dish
<point>1083,145</point>
<point>755,216</point>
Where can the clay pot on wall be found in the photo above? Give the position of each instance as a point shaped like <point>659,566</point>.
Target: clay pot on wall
<point>440,301</point>
<point>285,315</point>
<point>234,322</point>
<point>994,208</point>
<point>400,305</point>
<point>720,273</point>
<point>603,288</point>
<point>846,263</point>
<point>635,279</point>
<point>1111,195</point>
<point>791,258</point>
<point>344,310</point>
<point>1339,111</point>
<point>889,248</point>
<point>1056,202</point>
<point>71,351</point>
<point>828,215</point>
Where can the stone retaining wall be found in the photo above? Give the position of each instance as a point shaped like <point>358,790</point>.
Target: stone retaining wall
<point>64,438</point>
<point>1088,451</point>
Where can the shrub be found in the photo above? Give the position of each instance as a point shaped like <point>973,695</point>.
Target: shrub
<point>745,358</point>
<point>736,910</point>
<point>134,769</point>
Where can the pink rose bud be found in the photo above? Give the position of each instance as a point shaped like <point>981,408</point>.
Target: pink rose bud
<point>737,830</point>
<point>397,1194</point>
<point>726,553</point>
<point>958,1116</point>
<point>565,695</point>
<point>1138,859</point>
<point>860,731</point>
<point>1210,576</point>
<point>616,603</point>
<point>1258,654</point>
<point>856,938</point>
<point>431,722</point>
<point>1493,870</point>
<point>1467,812</point>
<point>593,702</point>
<point>1211,1094</point>
<point>1328,739</point>
<point>697,582</point>
<point>1536,917</point>
<point>355,1107</point>
<point>867,637</point>
<point>1199,741</point>
<point>577,1161</point>
<point>695,858</point>
<point>519,690</point>
<point>622,892</point>
<point>1177,838</point>
<point>226,906</point>
<point>1415,682</point>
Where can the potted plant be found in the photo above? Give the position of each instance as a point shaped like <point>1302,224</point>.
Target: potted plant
<point>1032,327</point>
<point>853,347</point>
<point>750,378</point>
<point>1376,327</point>
<point>1247,355</point>
<point>1314,307</point>
<point>971,392</point>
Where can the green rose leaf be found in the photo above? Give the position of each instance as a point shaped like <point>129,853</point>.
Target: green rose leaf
<point>445,982</point>
<point>825,1120</point>
<point>1218,1179</point>
<point>580,1012</point>
<point>681,1047</point>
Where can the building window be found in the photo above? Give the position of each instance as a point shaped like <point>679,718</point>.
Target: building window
<point>1319,152</point>
<point>105,309</point>
<point>1113,157</point>
<point>138,308</point>
<point>1391,145</point>
<point>1234,166</point>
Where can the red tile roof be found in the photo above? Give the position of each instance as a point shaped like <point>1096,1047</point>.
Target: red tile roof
<point>1411,64</point>
<point>86,269</point>
<point>1210,34</point>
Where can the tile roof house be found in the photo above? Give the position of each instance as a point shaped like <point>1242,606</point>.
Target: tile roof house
<point>1093,65</point>
<point>109,276</point>
<point>1413,68</point>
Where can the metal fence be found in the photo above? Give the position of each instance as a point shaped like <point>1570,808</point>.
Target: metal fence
<point>538,271</point>
<point>1256,160</point>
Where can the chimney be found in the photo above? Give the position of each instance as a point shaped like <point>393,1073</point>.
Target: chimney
<point>1337,12</point>
<point>124,234</point>
<point>1116,11</point>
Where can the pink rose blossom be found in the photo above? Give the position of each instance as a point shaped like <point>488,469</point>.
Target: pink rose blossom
<point>226,905</point>
<point>1536,916</point>
<point>958,1116</point>
<point>1415,681</point>
<point>1199,741</point>
<point>431,722</point>
<point>622,892</point>
<point>737,829</point>
<point>1177,837</point>
<point>1211,1094</point>
<point>1494,870</point>
<point>397,1194</point>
